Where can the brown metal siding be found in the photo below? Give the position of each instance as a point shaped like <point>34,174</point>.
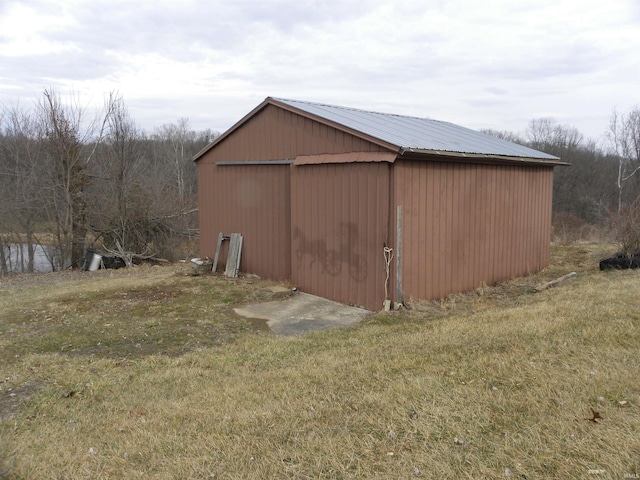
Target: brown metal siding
<point>253,200</point>
<point>277,134</point>
<point>339,218</point>
<point>465,224</point>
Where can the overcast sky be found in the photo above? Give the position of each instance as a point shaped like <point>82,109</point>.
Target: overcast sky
<point>477,63</point>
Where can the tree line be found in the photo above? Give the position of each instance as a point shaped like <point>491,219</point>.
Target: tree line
<point>70,180</point>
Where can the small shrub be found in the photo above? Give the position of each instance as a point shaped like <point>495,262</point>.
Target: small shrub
<point>569,229</point>
<point>627,229</point>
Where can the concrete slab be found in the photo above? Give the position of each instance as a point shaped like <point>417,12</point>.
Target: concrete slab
<point>303,313</point>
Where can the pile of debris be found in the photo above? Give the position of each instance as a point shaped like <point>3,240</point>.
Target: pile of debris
<point>93,261</point>
<point>620,261</point>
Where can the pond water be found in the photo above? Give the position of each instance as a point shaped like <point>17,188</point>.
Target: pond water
<point>15,258</point>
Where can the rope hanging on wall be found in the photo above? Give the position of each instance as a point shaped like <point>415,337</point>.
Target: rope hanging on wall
<point>388,256</point>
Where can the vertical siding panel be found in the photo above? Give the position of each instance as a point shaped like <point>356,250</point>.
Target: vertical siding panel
<point>463,207</point>
<point>545,217</point>
<point>408,243</point>
<point>423,208</point>
<point>476,222</point>
<point>323,230</point>
<point>445,224</point>
<point>455,265</point>
<point>412,226</point>
<point>507,202</point>
<point>441,252</point>
<point>417,252</point>
<point>406,178</point>
<point>547,220</point>
<point>351,245</point>
<point>475,234</point>
<point>484,252</point>
<point>504,257</point>
<point>434,229</point>
<point>460,234</point>
<point>299,134</point>
<point>494,197</point>
<point>428,232</point>
<point>544,222</point>
<point>535,212</point>
<point>520,219</point>
<point>451,226</point>
<point>471,236</point>
<point>532,245</point>
<point>512,204</point>
<point>507,260</point>
<point>465,210</point>
<point>501,251</point>
<point>374,240</point>
<point>490,198</point>
<point>541,226</point>
<point>403,192</point>
<point>524,220</point>
<point>521,203</point>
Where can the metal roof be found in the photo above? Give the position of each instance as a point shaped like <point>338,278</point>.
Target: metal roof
<point>417,134</point>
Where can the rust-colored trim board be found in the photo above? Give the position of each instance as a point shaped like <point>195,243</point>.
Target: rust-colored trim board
<point>255,162</point>
<point>351,157</point>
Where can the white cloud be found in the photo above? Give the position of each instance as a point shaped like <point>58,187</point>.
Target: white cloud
<point>484,64</point>
<point>24,32</point>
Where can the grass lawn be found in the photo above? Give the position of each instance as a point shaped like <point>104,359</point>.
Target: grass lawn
<point>147,373</point>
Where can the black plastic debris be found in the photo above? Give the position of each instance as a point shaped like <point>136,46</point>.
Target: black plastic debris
<point>620,261</point>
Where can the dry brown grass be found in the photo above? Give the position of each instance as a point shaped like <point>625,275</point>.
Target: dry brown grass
<point>500,386</point>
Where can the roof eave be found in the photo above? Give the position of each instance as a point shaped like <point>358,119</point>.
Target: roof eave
<point>475,157</point>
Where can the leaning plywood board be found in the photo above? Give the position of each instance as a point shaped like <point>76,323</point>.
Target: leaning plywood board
<point>221,237</point>
<point>235,252</point>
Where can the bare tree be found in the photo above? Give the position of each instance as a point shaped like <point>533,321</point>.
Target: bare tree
<point>172,182</point>
<point>21,178</point>
<point>66,135</point>
<point>118,202</point>
<point>624,140</point>
<point>174,141</point>
<point>547,135</point>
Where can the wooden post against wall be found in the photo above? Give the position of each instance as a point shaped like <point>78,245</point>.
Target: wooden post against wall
<point>399,296</point>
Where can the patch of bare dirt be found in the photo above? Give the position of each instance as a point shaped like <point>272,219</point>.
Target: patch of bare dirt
<point>11,399</point>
